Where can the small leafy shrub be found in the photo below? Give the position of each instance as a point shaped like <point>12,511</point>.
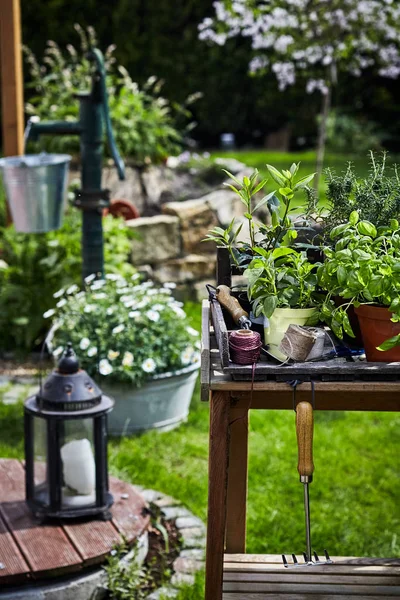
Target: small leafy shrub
<point>363,268</point>
<point>34,266</point>
<point>124,330</point>
<point>147,127</point>
<point>346,134</point>
<point>376,198</point>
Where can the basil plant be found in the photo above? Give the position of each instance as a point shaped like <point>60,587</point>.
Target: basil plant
<point>282,278</point>
<point>363,267</point>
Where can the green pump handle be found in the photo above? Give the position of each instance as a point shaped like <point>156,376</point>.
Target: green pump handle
<point>100,89</point>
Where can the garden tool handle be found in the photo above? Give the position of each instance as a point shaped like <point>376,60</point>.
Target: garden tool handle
<point>304,431</point>
<point>232,304</point>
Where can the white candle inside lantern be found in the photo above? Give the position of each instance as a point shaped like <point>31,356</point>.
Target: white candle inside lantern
<point>79,467</point>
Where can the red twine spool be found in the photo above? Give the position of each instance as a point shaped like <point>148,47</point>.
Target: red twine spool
<point>245,346</point>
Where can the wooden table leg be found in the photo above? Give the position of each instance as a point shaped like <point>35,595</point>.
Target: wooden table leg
<point>217,486</point>
<point>237,482</point>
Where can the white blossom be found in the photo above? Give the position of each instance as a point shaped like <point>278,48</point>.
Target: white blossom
<point>49,313</point>
<point>112,354</point>
<point>289,36</point>
<point>159,307</point>
<point>170,285</point>
<point>100,296</point>
<point>186,355</point>
<point>134,313</point>
<point>121,282</point>
<point>118,329</point>
<point>148,365</point>
<point>192,331</point>
<point>127,360</point>
<point>59,293</point>
<point>90,278</point>
<point>92,351</point>
<point>112,276</point>
<point>72,289</point>
<point>61,303</point>
<point>58,351</point>
<point>98,284</point>
<point>153,315</point>
<point>104,367</point>
<point>84,343</point>
<point>89,308</point>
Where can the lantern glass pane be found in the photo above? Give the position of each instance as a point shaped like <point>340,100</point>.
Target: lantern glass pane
<point>40,460</point>
<point>78,463</point>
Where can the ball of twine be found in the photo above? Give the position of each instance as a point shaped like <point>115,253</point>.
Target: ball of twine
<point>245,346</point>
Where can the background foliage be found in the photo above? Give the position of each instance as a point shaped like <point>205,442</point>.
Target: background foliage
<point>147,127</point>
<point>34,266</point>
<point>161,38</point>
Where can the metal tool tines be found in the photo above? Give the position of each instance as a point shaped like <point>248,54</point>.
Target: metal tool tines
<point>311,561</point>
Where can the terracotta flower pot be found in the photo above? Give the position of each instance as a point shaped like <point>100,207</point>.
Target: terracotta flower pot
<point>376,327</point>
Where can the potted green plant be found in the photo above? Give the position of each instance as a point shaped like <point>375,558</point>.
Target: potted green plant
<point>376,197</point>
<point>281,228</point>
<point>282,285</point>
<point>136,340</point>
<point>363,268</point>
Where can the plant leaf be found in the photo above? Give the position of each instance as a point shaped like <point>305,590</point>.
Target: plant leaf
<point>264,200</point>
<point>390,343</point>
<point>276,176</point>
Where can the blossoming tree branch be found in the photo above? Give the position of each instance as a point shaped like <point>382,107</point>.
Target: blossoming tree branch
<point>312,40</point>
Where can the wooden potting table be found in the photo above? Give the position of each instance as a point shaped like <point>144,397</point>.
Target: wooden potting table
<point>230,573</point>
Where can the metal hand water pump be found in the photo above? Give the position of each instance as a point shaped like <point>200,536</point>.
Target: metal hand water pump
<point>91,199</point>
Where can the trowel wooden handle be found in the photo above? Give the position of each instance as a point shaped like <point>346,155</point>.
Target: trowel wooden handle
<point>304,431</point>
<point>230,303</point>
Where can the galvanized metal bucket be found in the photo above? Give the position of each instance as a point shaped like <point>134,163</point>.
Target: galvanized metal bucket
<point>35,186</point>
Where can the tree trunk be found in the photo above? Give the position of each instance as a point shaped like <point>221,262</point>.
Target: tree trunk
<point>326,105</point>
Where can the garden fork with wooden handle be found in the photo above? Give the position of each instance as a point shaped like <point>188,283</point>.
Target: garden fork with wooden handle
<point>305,467</point>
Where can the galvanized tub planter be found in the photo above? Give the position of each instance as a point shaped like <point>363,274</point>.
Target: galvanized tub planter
<point>35,186</point>
<point>161,404</point>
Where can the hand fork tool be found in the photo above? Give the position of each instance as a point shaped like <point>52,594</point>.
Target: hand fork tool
<point>305,467</point>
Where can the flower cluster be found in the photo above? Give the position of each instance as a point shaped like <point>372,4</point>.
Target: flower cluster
<point>312,37</point>
<point>124,330</point>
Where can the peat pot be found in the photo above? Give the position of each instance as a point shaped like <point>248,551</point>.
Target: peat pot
<point>277,325</point>
<point>376,327</point>
<point>161,404</point>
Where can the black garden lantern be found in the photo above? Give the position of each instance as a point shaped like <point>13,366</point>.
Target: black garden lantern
<point>66,445</point>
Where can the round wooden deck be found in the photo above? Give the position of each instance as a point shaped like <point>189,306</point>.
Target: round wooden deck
<point>31,551</point>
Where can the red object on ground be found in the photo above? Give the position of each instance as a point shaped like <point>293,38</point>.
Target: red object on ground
<point>122,208</point>
<point>376,327</point>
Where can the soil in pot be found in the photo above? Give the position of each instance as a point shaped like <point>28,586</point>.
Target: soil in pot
<point>376,327</point>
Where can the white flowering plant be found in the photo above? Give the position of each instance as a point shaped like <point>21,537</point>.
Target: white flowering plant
<point>125,331</point>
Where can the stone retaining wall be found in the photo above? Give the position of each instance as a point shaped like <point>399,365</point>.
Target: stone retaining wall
<point>169,247</point>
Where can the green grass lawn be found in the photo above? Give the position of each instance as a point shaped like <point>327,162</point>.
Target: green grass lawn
<point>354,496</point>
<point>282,160</point>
